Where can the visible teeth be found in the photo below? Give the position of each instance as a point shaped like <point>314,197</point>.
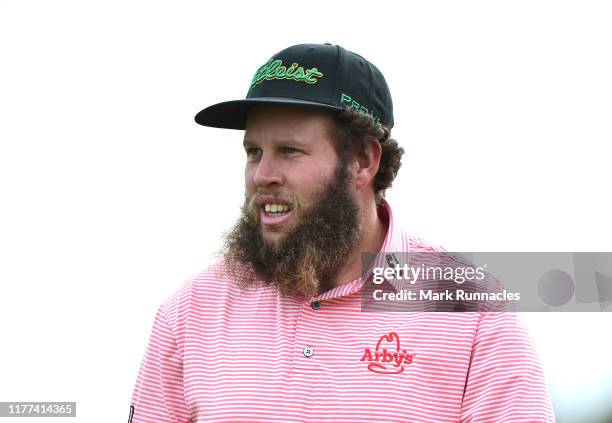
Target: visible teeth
<point>276,208</point>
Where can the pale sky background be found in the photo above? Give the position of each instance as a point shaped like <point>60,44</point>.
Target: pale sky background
<point>111,196</point>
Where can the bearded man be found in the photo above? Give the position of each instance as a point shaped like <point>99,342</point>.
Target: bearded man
<point>274,331</point>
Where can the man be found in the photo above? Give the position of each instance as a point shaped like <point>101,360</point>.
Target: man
<point>274,331</point>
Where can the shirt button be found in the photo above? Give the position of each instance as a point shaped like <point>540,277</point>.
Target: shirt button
<point>308,352</point>
<point>315,305</point>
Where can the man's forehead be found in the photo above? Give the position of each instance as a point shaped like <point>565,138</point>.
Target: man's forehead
<point>274,116</point>
<point>287,125</point>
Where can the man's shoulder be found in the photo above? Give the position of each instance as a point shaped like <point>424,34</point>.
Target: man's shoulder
<point>208,287</point>
<point>213,278</point>
<point>413,242</point>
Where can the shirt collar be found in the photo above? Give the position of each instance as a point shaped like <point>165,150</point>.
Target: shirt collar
<point>392,243</point>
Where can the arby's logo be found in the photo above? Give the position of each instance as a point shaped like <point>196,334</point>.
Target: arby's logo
<point>388,357</point>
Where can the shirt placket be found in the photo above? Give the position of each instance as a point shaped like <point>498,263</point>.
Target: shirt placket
<point>304,356</point>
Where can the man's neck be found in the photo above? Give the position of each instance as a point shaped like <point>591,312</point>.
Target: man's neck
<point>372,239</point>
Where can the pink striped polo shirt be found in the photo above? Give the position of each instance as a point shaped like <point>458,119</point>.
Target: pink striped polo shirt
<point>218,355</point>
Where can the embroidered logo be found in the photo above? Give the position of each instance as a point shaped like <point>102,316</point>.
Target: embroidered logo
<point>274,69</point>
<point>388,357</point>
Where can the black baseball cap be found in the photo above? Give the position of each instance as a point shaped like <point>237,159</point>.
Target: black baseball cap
<point>323,76</point>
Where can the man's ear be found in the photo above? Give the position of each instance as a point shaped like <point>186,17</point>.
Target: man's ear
<point>366,164</point>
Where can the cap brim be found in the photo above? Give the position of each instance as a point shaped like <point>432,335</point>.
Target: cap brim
<point>233,114</point>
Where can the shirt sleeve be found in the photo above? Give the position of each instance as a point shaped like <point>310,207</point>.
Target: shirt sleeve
<point>505,381</point>
<point>158,396</point>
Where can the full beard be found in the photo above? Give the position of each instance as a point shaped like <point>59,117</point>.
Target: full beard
<point>306,261</point>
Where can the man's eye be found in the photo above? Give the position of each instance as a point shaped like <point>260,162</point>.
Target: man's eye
<point>291,150</point>
<point>250,152</point>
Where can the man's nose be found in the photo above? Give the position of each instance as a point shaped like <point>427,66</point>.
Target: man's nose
<point>267,172</point>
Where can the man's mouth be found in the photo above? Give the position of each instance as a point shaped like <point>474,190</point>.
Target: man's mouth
<point>275,213</point>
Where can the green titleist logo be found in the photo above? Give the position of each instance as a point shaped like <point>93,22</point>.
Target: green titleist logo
<point>274,69</point>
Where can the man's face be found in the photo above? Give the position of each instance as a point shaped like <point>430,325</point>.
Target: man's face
<point>290,158</point>
<point>300,219</point>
